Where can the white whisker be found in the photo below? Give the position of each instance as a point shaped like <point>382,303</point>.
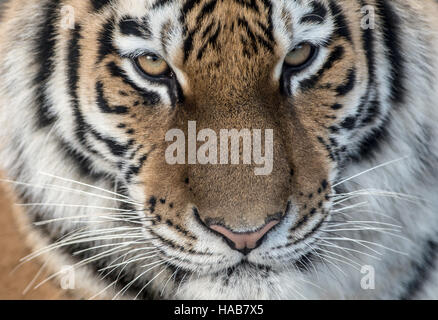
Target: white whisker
<point>63,188</point>
<point>150,281</point>
<point>329,244</point>
<point>69,206</point>
<point>154,265</point>
<point>368,170</point>
<point>86,185</point>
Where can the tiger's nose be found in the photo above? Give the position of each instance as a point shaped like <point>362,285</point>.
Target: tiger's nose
<point>244,242</point>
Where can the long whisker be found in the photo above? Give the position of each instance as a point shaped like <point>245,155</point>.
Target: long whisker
<point>365,222</point>
<point>86,185</point>
<point>154,265</point>
<point>150,281</point>
<point>139,257</point>
<point>69,242</point>
<point>327,261</point>
<point>82,263</point>
<point>369,170</point>
<point>341,258</point>
<point>361,242</point>
<point>373,212</point>
<point>358,228</point>
<point>345,249</point>
<point>58,187</point>
<point>353,206</point>
<point>373,230</point>
<point>178,266</point>
<point>69,206</point>
<point>31,283</point>
<point>377,193</point>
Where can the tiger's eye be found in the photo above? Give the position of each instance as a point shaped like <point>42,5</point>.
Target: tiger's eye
<point>153,65</point>
<point>299,56</point>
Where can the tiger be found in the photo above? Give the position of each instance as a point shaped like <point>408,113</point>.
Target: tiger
<point>90,92</point>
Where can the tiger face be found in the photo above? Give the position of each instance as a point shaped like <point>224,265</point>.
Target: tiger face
<point>129,72</point>
<point>296,68</point>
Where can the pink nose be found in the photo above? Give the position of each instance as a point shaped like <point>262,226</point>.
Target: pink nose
<point>244,241</point>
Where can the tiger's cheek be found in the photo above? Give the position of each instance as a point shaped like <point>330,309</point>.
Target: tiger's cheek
<point>328,101</point>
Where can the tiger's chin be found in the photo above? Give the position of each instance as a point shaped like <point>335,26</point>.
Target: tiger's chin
<point>243,281</point>
<point>255,266</point>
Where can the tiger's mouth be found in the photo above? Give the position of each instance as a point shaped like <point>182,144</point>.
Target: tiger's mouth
<point>296,255</point>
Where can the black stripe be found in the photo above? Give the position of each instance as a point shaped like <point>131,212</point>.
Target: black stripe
<point>129,26</point>
<point>372,142</point>
<point>249,4</point>
<point>103,103</point>
<point>161,3</point>
<point>73,79</point>
<point>206,9</point>
<point>45,44</point>
<point>368,42</point>
<point>73,62</point>
<point>349,123</point>
<point>105,40</point>
<point>370,107</point>
<point>241,22</point>
<point>371,113</point>
<point>337,106</point>
<point>210,42</point>
<point>209,7</point>
<point>270,28</point>
<point>83,163</point>
<point>391,33</point>
<point>188,6</point>
<point>188,41</point>
<point>208,29</point>
<point>318,14</point>
<point>135,169</point>
<point>346,87</point>
<point>188,44</point>
<point>255,38</point>
<point>82,127</point>
<point>422,269</point>
<point>267,31</point>
<point>342,28</point>
<point>336,55</point>
<point>327,147</point>
<point>99,4</point>
<point>373,107</point>
<point>149,97</point>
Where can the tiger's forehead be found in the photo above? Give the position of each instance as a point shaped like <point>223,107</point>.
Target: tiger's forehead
<point>183,29</point>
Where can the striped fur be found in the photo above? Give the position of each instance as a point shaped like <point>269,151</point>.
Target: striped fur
<point>76,113</point>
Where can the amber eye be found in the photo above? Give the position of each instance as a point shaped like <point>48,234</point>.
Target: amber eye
<point>153,66</point>
<point>301,56</point>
